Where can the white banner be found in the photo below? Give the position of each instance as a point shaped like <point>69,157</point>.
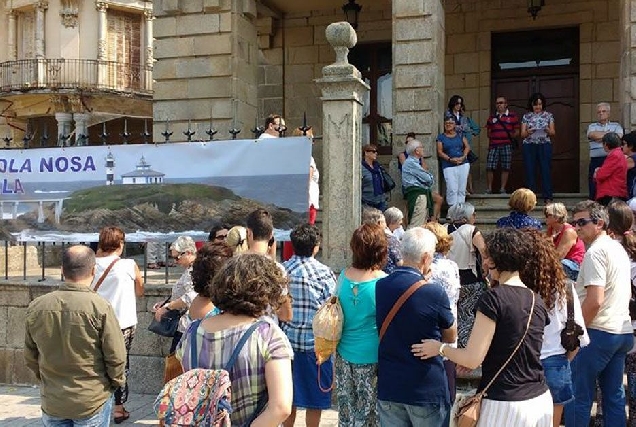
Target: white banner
<point>269,171</point>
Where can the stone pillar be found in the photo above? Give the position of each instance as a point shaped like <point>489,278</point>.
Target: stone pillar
<point>40,8</point>
<point>81,128</point>
<point>63,128</point>
<point>628,63</point>
<point>12,53</point>
<point>418,72</point>
<point>149,58</point>
<point>343,92</point>
<point>102,27</point>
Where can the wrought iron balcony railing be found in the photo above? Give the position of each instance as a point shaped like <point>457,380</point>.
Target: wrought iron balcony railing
<point>85,74</point>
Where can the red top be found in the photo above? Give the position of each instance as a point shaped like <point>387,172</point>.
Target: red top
<point>577,251</point>
<point>611,178</point>
<point>497,125</point>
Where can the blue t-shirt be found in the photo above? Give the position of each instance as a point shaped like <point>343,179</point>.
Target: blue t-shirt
<point>518,220</point>
<point>402,377</point>
<point>452,147</point>
<point>359,341</point>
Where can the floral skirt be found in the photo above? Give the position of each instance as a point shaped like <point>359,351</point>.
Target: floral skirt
<point>469,295</point>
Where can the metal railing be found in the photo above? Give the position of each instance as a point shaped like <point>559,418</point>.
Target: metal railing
<point>87,74</point>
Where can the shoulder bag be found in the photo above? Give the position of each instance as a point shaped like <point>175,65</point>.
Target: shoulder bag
<point>513,141</point>
<point>167,326</point>
<point>388,183</point>
<point>104,274</point>
<point>398,304</point>
<point>572,331</point>
<point>468,411</point>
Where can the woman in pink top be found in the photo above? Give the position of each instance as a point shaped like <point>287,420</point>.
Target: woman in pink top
<point>569,247</point>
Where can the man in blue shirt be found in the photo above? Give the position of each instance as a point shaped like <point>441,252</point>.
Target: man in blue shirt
<point>416,186</point>
<point>411,391</point>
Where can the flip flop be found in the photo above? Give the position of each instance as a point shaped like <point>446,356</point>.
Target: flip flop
<point>120,417</point>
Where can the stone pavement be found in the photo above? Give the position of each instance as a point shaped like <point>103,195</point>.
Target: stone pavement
<point>21,407</point>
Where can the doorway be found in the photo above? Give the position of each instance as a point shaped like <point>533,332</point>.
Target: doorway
<point>543,61</point>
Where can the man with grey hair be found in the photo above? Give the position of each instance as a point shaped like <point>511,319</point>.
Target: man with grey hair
<point>604,292</point>
<point>74,347</point>
<point>416,185</point>
<point>411,392</point>
<point>595,133</point>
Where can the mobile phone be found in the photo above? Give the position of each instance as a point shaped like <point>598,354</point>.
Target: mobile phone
<point>271,242</point>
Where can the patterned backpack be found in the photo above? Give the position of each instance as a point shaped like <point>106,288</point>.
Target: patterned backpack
<point>200,397</point>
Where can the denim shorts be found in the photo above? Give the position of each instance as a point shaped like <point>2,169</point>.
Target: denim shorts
<point>559,378</point>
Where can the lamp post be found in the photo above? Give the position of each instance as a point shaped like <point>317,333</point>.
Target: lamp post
<point>351,11</point>
<point>534,6</point>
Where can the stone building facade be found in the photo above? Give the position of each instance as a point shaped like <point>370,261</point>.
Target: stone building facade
<point>234,62</point>
<point>67,66</point>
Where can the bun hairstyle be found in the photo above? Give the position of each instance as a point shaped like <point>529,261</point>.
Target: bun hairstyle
<point>237,239</point>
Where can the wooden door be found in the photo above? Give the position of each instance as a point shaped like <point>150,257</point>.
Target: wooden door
<point>561,92</point>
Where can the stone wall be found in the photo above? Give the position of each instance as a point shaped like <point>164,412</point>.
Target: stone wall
<point>147,353</point>
<point>627,32</point>
<point>468,56</point>
<point>206,64</point>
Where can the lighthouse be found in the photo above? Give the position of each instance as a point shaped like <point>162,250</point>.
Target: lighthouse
<point>110,169</point>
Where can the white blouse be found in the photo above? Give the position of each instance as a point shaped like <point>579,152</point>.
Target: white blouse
<point>118,288</point>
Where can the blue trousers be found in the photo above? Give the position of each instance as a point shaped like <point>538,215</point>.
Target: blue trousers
<point>99,419</point>
<point>602,359</point>
<point>595,162</point>
<point>400,415</point>
<point>538,155</point>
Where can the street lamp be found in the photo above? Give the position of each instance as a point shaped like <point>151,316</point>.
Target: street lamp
<point>352,10</point>
<point>534,6</point>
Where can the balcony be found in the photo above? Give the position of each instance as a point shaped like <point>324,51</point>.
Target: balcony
<point>37,75</point>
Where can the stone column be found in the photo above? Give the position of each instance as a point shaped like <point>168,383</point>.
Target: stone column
<point>12,53</point>
<point>149,58</point>
<point>418,72</point>
<point>628,64</point>
<point>102,28</point>
<point>81,128</point>
<point>40,8</point>
<point>343,92</point>
<point>63,128</point>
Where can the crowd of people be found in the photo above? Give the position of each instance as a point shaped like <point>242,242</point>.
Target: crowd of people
<point>546,315</point>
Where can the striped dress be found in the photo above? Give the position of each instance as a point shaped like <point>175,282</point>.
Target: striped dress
<point>214,349</point>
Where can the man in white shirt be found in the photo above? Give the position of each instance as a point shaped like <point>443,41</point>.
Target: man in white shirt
<point>595,133</point>
<point>274,126</point>
<point>604,291</point>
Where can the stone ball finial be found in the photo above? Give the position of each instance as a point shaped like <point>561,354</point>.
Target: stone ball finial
<point>342,37</point>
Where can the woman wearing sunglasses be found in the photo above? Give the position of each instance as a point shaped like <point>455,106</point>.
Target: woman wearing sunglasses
<point>372,187</point>
<point>183,251</point>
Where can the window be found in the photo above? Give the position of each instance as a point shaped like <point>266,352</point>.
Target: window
<point>124,48</point>
<point>26,34</point>
<point>375,63</point>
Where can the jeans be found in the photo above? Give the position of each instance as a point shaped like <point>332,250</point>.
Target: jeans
<point>538,155</point>
<point>595,162</point>
<point>602,359</point>
<point>100,419</point>
<point>401,415</point>
<point>558,376</point>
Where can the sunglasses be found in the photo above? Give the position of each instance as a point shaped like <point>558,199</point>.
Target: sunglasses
<point>176,258</point>
<point>371,151</point>
<point>220,236</point>
<point>582,222</point>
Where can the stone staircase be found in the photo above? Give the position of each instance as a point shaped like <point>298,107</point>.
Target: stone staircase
<point>490,207</point>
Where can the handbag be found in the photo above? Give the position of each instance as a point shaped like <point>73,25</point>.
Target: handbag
<point>572,331</point>
<point>471,157</point>
<point>469,410</point>
<point>388,183</point>
<point>167,326</point>
<point>172,368</point>
<point>398,304</point>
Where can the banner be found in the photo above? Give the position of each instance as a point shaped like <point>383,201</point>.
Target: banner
<point>156,188</point>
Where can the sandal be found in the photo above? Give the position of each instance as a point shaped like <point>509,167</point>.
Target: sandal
<point>122,416</point>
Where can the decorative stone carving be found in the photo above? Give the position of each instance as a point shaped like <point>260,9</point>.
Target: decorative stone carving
<point>342,37</point>
<point>69,13</point>
<point>101,6</point>
<point>42,4</point>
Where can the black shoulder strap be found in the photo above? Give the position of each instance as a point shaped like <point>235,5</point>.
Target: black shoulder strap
<point>570,301</point>
<point>503,125</point>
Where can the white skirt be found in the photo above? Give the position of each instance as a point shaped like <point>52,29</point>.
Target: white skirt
<point>535,412</point>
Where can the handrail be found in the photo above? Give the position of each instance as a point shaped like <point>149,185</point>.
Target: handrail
<point>87,74</point>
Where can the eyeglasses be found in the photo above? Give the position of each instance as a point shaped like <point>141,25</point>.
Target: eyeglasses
<point>176,258</point>
<point>371,151</point>
<point>220,236</point>
<point>582,222</point>
<point>500,102</point>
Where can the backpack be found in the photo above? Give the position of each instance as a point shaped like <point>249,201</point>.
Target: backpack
<point>202,397</point>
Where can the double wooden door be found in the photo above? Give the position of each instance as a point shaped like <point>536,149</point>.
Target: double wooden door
<point>561,93</point>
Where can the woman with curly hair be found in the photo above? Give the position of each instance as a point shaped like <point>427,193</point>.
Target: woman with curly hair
<point>509,323</point>
<point>544,274</point>
<point>357,352</point>
<point>243,290</point>
<point>621,219</point>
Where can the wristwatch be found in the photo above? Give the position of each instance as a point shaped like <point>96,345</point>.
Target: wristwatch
<point>441,349</point>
